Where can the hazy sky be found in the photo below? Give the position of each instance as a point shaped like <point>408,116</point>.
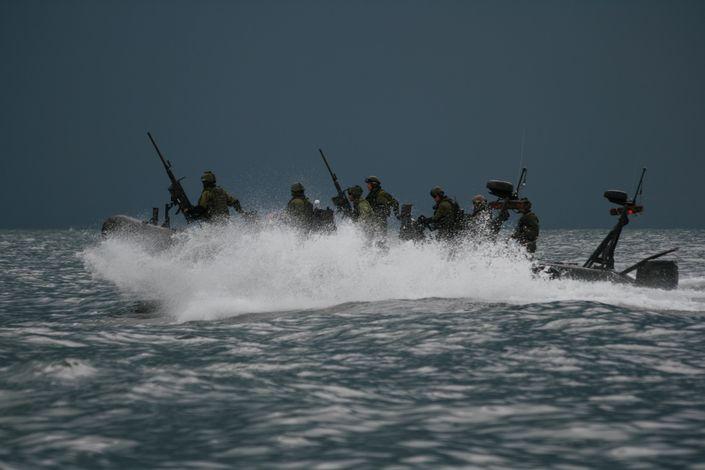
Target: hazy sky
<point>420,93</point>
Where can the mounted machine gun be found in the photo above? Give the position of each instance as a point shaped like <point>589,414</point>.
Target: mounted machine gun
<point>177,192</point>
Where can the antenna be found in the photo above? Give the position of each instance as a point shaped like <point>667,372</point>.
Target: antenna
<point>639,187</point>
<point>521,152</point>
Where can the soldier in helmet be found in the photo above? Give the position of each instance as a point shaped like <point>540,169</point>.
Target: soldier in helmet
<point>445,215</point>
<point>362,211</point>
<point>479,205</point>
<point>527,229</point>
<point>214,200</point>
<point>299,210</point>
<point>480,221</point>
<point>381,202</point>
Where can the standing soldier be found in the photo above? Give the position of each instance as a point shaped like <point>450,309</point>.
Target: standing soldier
<point>299,210</point>
<point>214,201</point>
<point>527,229</point>
<point>445,215</point>
<point>381,202</point>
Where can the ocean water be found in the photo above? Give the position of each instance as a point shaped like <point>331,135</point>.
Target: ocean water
<point>241,348</point>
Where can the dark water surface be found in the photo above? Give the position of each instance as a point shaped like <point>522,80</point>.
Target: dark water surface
<point>110,357</point>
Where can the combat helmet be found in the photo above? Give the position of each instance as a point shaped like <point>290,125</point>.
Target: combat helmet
<point>297,188</point>
<point>373,179</point>
<point>479,203</point>
<point>208,177</point>
<point>437,191</point>
<point>524,204</point>
<point>355,191</point>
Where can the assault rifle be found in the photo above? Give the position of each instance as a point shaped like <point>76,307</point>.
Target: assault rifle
<point>178,195</point>
<point>340,201</point>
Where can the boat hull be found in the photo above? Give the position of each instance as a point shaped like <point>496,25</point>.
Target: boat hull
<point>129,228</point>
<point>661,274</point>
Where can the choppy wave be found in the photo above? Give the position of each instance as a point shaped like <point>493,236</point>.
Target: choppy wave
<point>324,353</point>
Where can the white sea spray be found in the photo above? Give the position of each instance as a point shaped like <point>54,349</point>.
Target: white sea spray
<point>217,271</point>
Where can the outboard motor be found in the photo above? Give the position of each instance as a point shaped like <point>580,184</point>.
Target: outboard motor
<point>658,274</point>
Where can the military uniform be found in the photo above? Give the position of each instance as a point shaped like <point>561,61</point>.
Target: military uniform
<point>446,215</point>
<point>481,223</point>
<point>361,209</point>
<point>299,210</point>
<point>214,200</point>
<point>445,218</point>
<point>527,231</point>
<point>382,204</point>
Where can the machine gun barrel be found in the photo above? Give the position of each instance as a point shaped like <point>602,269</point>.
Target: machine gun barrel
<point>178,194</point>
<point>341,201</point>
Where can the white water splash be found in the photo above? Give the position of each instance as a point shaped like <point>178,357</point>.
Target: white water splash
<point>220,271</point>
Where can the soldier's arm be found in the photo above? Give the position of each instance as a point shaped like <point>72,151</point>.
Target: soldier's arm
<point>297,207</point>
<point>289,207</point>
<point>496,222</point>
<point>234,203</point>
<point>525,230</point>
<point>203,200</point>
<point>442,213</point>
<point>518,232</point>
<point>365,210</point>
<point>531,229</point>
<point>394,204</point>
